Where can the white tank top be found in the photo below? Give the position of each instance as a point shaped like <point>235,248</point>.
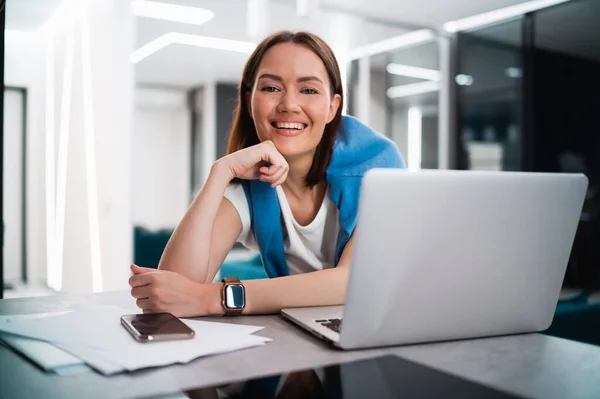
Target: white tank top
<point>307,248</point>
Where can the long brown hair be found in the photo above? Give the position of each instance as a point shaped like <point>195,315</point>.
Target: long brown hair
<point>243,132</point>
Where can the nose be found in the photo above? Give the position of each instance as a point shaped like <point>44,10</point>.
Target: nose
<point>288,103</point>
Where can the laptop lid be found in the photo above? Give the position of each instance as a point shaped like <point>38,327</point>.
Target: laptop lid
<point>442,255</point>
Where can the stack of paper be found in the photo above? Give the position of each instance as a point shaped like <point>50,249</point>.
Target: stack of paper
<point>95,336</point>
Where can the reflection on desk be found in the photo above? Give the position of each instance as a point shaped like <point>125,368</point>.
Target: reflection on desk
<point>383,377</point>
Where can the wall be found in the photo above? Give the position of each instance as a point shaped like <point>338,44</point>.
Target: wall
<point>429,138</point>
<point>214,106</point>
<point>24,66</point>
<point>378,99</point>
<point>161,158</point>
<point>98,242</point>
<point>226,100</point>
<point>399,130</point>
<point>12,185</point>
<point>80,91</point>
<point>395,114</point>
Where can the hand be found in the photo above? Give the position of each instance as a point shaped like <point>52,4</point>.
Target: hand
<point>164,291</point>
<point>250,164</point>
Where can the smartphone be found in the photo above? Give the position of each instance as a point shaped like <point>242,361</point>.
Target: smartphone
<point>152,327</point>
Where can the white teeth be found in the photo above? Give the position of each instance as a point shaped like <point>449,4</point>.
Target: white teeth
<point>298,126</point>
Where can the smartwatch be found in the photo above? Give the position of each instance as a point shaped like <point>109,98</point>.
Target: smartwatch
<point>233,296</point>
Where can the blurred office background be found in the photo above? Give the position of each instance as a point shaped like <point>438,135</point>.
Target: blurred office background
<point>114,111</point>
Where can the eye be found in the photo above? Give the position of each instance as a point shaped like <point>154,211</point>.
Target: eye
<point>269,89</point>
<point>309,90</point>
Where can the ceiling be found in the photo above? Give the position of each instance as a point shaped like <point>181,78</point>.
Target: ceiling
<point>180,65</point>
<point>426,13</point>
<point>28,14</point>
<point>345,24</point>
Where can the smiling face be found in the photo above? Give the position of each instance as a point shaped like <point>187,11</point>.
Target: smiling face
<point>291,101</point>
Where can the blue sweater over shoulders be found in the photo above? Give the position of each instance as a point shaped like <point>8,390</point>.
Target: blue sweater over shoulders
<point>357,149</point>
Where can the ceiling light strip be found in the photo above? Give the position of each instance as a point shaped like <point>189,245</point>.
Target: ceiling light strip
<point>414,72</point>
<point>413,89</point>
<point>491,17</point>
<point>151,47</point>
<point>190,40</point>
<point>171,12</point>
<point>394,43</point>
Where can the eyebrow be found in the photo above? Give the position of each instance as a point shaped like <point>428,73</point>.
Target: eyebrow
<point>299,80</point>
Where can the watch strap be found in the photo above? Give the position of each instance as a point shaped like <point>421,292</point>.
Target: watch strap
<point>228,281</point>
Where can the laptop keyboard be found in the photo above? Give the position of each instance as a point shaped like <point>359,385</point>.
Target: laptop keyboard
<point>332,324</point>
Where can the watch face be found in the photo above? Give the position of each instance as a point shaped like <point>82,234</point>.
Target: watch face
<point>234,296</point>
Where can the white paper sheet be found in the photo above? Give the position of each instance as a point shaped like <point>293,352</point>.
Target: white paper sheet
<point>96,336</point>
<point>101,328</point>
<point>47,356</point>
<point>21,317</point>
<point>137,356</point>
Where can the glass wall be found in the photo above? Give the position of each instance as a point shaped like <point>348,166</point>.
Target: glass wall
<point>528,98</point>
<point>566,94</point>
<point>490,95</point>
<point>413,84</point>
<point>565,117</point>
<point>402,95</point>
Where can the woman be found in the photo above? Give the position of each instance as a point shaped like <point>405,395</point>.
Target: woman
<point>288,187</point>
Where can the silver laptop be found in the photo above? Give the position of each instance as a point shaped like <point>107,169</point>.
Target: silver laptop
<point>445,255</point>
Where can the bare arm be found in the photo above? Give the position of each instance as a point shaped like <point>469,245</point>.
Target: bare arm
<point>164,291</point>
<point>211,225</point>
<point>202,240</point>
<point>320,288</point>
<point>205,234</point>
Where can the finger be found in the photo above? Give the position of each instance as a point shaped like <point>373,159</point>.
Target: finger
<point>143,303</point>
<point>271,177</point>
<point>276,180</point>
<point>140,270</point>
<point>140,280</point>
<point>276,170</point>
<point>280,177</point>
<point>272,155</point>
<point>271,170</point>
<point>153,309</point>
<point>280,181</point>
<point>141,292</point>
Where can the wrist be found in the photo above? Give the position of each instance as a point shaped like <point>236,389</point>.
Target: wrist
<point>214,303</point>
<point>221,171</point>
<point>208,299</point>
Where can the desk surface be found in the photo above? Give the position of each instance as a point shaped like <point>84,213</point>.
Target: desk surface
<point>532,365</point>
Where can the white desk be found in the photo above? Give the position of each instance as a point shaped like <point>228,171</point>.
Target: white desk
<point>532,365</point>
